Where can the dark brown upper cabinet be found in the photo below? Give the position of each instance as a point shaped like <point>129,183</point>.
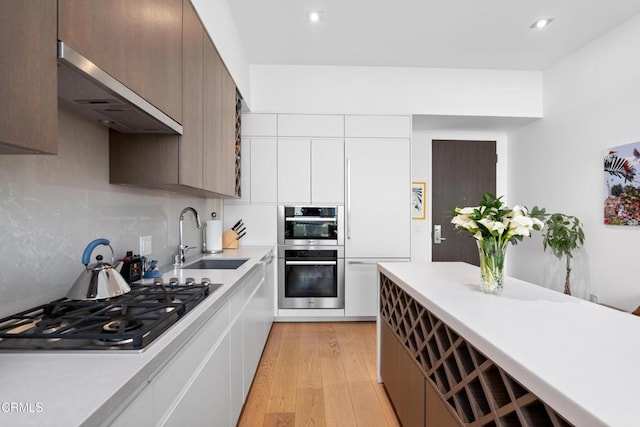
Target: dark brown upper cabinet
<point>138,42</point>
<point>219,124</point>
<point>28,84</point>
<point>202,160</point>
<point>230,136</point>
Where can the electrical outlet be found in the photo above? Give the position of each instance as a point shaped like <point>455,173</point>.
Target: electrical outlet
<point>594,298</point>
<point>145,245</point>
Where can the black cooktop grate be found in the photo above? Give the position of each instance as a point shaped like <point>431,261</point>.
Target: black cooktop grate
<point>128,322</point>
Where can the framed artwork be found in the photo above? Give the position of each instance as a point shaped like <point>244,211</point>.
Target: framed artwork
<point>418,194</point>
<point>622,185</point>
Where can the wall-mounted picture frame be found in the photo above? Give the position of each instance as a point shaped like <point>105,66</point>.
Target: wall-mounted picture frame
<point>418,196</point>
<point>622,185</point>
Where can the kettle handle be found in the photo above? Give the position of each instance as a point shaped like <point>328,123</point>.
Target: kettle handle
<point>86,255</point>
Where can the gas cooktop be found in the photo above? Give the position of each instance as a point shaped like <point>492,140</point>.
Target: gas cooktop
<point>129,322</point>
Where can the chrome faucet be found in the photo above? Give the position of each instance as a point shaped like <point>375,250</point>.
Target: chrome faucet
<point>179,257</point>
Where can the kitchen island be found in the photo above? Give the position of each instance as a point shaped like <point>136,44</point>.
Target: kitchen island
<point>530,356</point>
<point>220,339</point>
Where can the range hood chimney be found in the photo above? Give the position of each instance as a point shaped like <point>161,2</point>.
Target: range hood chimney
<point>90,91</point>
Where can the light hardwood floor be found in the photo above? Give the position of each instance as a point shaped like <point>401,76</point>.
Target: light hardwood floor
<point>318,374</point>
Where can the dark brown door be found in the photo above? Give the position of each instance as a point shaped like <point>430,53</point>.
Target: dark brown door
<point>462,172</point>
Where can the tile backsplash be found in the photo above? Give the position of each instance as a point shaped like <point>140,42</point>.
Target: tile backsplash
<point>51,207</point>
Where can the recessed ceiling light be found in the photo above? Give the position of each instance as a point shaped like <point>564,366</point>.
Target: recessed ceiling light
<point>541,23</point>
<point>314,16</point>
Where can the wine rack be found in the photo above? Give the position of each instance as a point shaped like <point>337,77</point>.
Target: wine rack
<point>480,392</point>
<point>238,156</point>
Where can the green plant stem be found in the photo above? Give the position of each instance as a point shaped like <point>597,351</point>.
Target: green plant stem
<point>492,255</point>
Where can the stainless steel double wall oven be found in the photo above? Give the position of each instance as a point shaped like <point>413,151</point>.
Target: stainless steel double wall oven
<point>310,257</point>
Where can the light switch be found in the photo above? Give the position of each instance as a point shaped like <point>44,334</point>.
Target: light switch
<point>145,245</point>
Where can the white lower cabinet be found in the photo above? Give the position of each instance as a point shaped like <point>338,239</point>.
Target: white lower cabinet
<point>246,342</point>
<point>205,402</point>
<point>269,306</point>
<point>251,353</point>
<point>207,381</point>
<point>236,341</point>
<point>361,286</point>
<point>139,413</point>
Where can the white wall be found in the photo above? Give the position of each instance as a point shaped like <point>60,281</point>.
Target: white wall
<point>387,90</point>
<point>51,207</point>
<point>591,103</point>
<point>217,19</point>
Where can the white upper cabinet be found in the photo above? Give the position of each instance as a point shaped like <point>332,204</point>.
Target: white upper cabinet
<point>377,126</point>
<point>245,173</point>
<point>258,128</point>
<point>310,171</point>
<point>294,170</point>
<point>311,125</point>
<point>378,183</point>
<point>264,170</point>
<point>259,125</point>
<point>327,173</point>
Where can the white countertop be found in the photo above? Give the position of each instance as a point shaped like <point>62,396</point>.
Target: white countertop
<point>580,358</point>
<point>73,388</point>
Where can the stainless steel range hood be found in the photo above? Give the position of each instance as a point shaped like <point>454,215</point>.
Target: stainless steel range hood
<point>90,91</point>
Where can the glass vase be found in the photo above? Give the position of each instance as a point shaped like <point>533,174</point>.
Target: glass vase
<point>492,255</point>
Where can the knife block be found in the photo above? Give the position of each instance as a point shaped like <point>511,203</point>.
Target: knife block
<point>230,239</point>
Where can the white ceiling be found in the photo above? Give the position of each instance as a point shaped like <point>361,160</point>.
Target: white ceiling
<point>488,34</point>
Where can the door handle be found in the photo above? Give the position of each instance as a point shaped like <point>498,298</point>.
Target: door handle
<point>348,201</point>
<point>437,234</point>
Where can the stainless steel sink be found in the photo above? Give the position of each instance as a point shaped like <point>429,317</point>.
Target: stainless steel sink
<point>217,264</point>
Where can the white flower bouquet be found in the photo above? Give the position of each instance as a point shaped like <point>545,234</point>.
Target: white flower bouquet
<point>494,225</point>
<point>492,219</point>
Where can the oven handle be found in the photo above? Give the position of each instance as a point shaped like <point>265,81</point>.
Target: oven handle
<point>310,219</point>
<point>310,262</point>
<point>348,198</point>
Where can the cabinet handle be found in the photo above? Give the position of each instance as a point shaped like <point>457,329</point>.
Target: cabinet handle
<point>362,262</point>
<point>348,198</point>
